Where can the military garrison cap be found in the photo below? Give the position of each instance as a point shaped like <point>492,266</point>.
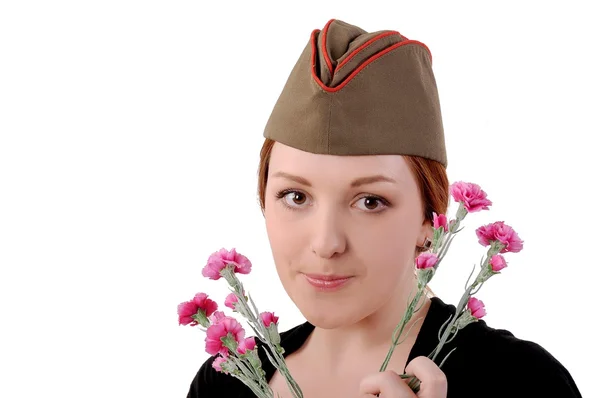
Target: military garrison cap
<point>357,93</point>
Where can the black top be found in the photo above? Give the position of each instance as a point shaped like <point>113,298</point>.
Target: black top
<point>487,363</point>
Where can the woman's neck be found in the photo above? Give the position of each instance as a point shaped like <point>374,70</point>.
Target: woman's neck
<point>370,337</point>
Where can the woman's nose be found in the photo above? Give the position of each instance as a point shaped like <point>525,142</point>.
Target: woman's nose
<point>328,235</point>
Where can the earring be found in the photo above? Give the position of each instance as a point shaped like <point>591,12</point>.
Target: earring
<point>427,243</point>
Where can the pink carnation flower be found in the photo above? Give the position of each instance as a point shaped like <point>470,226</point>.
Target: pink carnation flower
<point>219,260</point>
<point>497,262</point>
<point>473,197</point>
<point>214,333</point>
<point>216,317</point>
<point>426,260</point>
<point>502,233</point>
<point>440,221</point>
<point>218,362</point>
<point>187,309</point>
<point>476,307</point>
<point>268,317</point>
<point>230,300</point>
<point>248,344</point>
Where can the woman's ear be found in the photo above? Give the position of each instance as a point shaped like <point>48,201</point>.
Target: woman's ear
<point>425,237</point>
<point>427,229</point>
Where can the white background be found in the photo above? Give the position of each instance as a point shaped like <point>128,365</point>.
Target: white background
<point>129,142</point>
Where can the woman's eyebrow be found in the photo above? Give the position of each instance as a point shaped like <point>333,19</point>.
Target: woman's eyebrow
<point>298,179</point>
<point>371,179</point>
<point>356,183</point>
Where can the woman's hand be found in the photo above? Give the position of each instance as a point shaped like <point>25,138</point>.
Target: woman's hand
<point>389,385</point>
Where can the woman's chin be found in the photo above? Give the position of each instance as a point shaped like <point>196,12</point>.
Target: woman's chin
<point>324,318</point>
<point>324,321</point>
<point>330,309</point>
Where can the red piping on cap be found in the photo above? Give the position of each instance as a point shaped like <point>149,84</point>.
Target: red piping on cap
<point>359,49</point>
<point>361,67</point>
<point>324,46</point>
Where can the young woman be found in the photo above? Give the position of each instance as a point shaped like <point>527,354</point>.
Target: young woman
<point>351,171</point>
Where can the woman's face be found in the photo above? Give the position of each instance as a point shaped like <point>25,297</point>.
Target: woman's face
<point>353,217</point>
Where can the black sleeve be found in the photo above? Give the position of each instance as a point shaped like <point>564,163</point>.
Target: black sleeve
<point>208,383</point>
<point>538,373</point>
<point>201,384</point>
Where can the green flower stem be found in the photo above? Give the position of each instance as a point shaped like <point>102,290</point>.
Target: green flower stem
<point>459,309</point>
<point>414,384</point>
<point>407,316</point>
<point>252,386</point>
<point>452,231</point>
<point>445,245</point>
<point>495,248</point>
<point>251,375</point>
<point>291,383</point>
<point>257,325</point>
<point>248,378</point>
<point>278,356</point>
<point>247,367</point>
<point>444,242</point>
<point>461,305</point>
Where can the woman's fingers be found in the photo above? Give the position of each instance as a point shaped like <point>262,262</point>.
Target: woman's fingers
<point>387,384</point>
<point>433,380</point>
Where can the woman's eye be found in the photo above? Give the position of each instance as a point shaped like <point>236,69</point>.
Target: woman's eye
<point>295,198</point>
<point>371,203</point>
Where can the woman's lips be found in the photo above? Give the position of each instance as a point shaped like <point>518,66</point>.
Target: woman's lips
<point>327,282</point>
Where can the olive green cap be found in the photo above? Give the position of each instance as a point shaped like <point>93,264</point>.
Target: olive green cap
<point>357,93</point>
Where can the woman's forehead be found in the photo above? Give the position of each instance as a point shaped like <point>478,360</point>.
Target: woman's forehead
<point>287,161</point>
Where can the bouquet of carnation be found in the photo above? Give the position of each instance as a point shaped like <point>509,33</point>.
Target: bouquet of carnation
<point>237,355</point>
